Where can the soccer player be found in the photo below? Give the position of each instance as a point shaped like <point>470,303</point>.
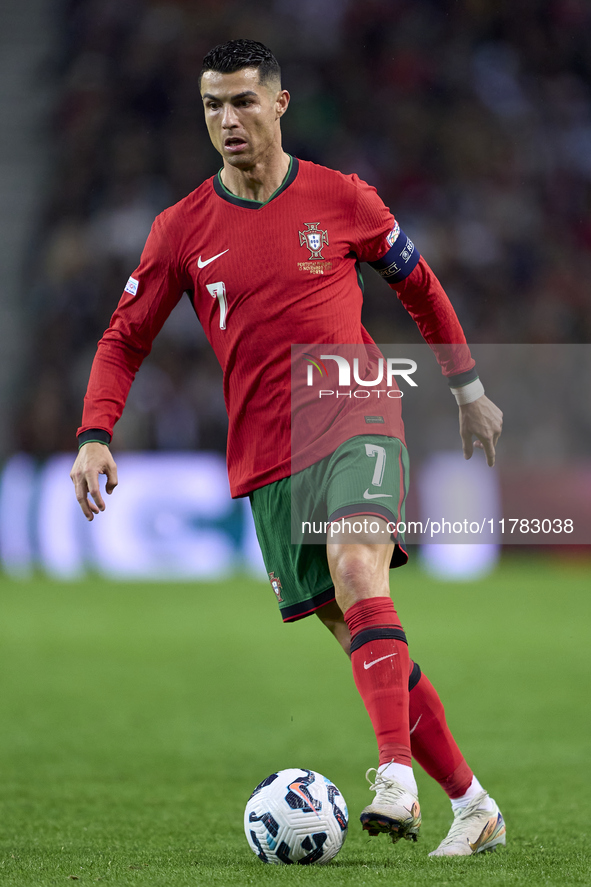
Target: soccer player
<point>267,251</point>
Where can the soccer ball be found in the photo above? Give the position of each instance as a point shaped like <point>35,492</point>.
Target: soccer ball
<point>296,816</point>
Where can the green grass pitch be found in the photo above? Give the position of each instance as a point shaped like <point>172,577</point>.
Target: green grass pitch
<point>135,720</point>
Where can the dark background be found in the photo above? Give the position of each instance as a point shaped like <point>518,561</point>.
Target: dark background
<point>471,117</point>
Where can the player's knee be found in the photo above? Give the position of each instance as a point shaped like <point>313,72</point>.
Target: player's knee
<point>350,566</point>
<point>359,572</point>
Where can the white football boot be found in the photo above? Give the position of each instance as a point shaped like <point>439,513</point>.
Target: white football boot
<point>475,828</point>
<point>395,810</point>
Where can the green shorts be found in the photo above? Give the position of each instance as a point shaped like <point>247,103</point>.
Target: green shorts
<point>367,476</point>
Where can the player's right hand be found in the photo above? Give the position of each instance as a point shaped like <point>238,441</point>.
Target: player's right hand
<point>93,459</point>
<point>483,420</point>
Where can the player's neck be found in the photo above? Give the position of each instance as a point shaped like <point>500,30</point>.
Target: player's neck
<point>259,182</point>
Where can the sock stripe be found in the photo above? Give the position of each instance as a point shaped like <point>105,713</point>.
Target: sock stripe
<point>380,632</point>
<point>415,676</point>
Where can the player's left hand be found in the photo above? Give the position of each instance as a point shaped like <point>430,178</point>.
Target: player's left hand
<point>482,420</point>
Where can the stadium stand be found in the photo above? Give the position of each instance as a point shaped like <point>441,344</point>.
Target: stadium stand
<point>473,120</point>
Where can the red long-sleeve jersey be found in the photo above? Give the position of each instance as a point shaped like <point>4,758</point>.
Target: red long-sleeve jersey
<point>264,277</point>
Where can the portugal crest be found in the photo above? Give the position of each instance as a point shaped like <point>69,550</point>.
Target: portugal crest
<point>314,239</point>
<point>276,585</point>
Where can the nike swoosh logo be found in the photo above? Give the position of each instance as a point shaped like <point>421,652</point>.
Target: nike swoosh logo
<point>367,665</point>
<point>368,495</point>
<point>297,788</point>
<point>202,264</point>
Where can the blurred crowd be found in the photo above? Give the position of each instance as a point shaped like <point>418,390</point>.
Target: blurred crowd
<point>471,117</point>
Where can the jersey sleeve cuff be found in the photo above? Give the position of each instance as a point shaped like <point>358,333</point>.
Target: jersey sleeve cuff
<point>460,379</point>
<point>94,435</point>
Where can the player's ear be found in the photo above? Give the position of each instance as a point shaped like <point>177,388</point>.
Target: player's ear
<point>281,102</point>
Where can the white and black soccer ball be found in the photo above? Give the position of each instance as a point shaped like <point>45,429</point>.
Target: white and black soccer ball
<point>296,816</point>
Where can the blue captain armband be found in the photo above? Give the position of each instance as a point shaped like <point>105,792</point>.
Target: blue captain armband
<point>400,260</point>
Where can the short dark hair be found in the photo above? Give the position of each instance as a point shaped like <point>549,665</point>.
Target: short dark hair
<point>226,58</point>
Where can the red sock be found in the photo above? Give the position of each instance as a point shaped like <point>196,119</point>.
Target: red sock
<point>379,656</point>
<point>432,744</point>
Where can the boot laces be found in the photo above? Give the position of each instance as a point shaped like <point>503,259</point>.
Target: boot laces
<point>458,826</point>
<point>380,783</point>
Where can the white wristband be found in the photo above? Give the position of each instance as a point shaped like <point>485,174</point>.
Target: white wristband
<point>468,393</point>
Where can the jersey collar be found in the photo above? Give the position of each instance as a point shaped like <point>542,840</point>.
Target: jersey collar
<point>221,190</point>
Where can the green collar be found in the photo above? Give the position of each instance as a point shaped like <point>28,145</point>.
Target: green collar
<point>245,202</point>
